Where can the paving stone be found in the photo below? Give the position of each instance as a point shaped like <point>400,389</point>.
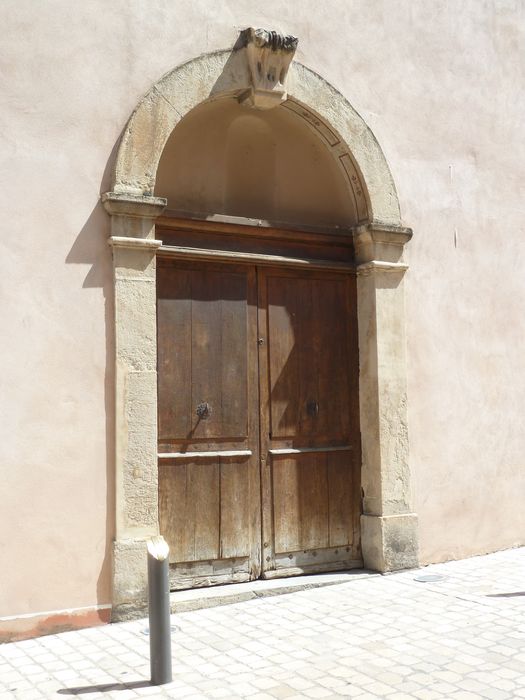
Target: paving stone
<point>495,694</point>
<point>409,686</point>
<point>264,683</point>
<point>282,691</point>
<point>511,674</point>
<point>317,692</point>
<point>244,690</point>
<point>32,694</point>
<point>299,683</point>
<point>427,694</point>
<point>504,684</point>
<point>443,688</point>
<point>332,683</point>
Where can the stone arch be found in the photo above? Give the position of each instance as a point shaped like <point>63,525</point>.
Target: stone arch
<point>388,525</point>
<point>216,75</point>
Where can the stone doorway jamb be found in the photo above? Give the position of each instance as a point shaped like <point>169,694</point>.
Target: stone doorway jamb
<point>134,247</point>
<point>388,526</point>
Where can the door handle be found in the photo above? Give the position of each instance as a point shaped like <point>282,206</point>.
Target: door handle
<point>312,408</point>
<point>203,410</point>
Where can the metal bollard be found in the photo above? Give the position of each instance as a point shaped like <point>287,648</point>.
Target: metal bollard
<point>159,611</point>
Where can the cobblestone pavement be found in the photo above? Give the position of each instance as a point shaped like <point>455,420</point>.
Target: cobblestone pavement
<point>390,637</point>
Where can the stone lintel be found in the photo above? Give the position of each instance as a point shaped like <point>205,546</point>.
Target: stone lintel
<point>390,542</point>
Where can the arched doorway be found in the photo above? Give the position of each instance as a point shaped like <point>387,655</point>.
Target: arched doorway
<point>257,341</point>
<point>364,236</point>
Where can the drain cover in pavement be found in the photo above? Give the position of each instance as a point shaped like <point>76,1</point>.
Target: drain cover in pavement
<point>429,578</point>
<point>173,628</point>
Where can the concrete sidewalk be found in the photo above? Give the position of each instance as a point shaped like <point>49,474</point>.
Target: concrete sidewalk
<point>461,636</point>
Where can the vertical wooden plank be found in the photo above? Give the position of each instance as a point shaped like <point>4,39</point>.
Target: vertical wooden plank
<point>340,490</point>
<point>236,532</point>
<point>204,487</point>
<point>313,495</point>
<point>284,368</point>
<point>353,368</point>
<point>253,465</point>
<point>330,325</point>
<point>263,358</point>
<point>286,505</point>
<point>165,508</point>
<point>309,345</point>
<point>206,351</point>
<point>233,360</point>
<point>174,352</point>
<point>174,512</point>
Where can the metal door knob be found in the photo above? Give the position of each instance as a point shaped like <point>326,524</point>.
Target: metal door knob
<point>203,410</point>
<point>312,408</point>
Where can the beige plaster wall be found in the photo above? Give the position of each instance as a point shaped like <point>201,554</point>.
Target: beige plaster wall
<point>439,84</point>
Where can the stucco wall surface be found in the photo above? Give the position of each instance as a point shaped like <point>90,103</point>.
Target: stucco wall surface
<point>439,83</point>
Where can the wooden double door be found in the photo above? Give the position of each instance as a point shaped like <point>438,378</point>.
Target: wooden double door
<point>259,452</point>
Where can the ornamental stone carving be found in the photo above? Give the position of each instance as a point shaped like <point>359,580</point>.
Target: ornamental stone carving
<point>269,55</point>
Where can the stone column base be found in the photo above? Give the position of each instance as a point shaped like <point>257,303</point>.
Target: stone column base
<point>389,542</point>
<point>130,580</point>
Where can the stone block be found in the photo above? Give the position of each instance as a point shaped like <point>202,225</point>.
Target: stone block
<point>389,542</point>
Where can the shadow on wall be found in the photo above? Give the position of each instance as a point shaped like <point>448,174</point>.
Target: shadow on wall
<point>91,248</point>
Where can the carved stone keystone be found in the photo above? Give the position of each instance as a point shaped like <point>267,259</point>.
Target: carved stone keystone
<point>269,56</point>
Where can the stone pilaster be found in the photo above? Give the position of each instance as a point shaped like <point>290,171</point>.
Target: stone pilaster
<point>388,525</point>
<point>134,247</point>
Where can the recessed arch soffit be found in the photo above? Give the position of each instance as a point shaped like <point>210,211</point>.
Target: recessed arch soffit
<point>340,153</point>
<point>225,73</point>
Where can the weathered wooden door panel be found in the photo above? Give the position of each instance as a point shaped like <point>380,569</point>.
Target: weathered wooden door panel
<point>258,418</point>
<point>308,370</point>
<point>309,422</point>
<point>300,497</point>
<point>208,422</point>
<point>202,354</point>
<point>312,495</point>
<point>190,509</point>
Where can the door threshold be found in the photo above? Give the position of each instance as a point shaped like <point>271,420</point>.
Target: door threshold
<point>228,594</point>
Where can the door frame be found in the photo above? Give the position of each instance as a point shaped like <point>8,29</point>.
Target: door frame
<point>389,530</point>
<point>264,560</point>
